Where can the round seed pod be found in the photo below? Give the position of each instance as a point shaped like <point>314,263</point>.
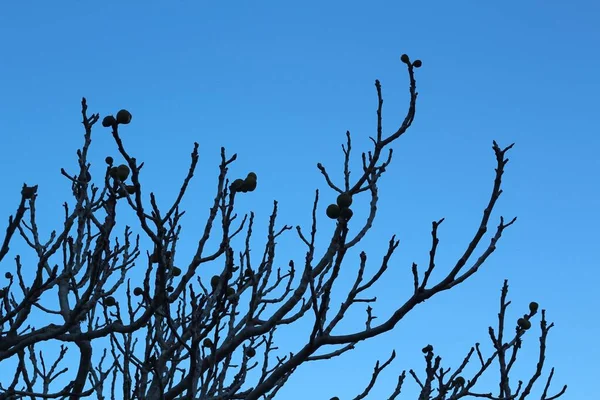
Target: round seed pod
<point>250,352</point>
<point>123,117</point>
<point>524,323</point>
<point>249,184</point>
<point>108,121</point>
<point>533,306</point>
<point>346,213</point>
<point>333,211</point>
<point>344,200</point>
<point>122,172</point>
<point>85,177</point>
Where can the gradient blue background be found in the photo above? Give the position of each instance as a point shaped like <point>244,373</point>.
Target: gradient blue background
<point>279,83</point>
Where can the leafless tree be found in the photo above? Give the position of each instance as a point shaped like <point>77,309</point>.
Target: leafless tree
<point>204,339</point>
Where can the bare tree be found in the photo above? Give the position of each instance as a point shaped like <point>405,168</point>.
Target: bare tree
<point>207,339</point>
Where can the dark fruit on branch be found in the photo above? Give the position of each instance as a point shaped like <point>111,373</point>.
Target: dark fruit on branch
<point>108,121</point>
<point>251,175</point>
<point>404,58</point>
<point>533,306</point>
<point>249,184</point>
<point>176,271</point>
<point>130,189</point>
<point>113,172</point>
<point>8,275</point>
<point>335,398</point>
<point>207,343</point>
<point>122,172</point>
<point>333,211</point>
<point>170,288</point>
<point>237,185</point>
<point>427,348</point>
<point>214,281</point>
<point>123,117</point>
<point>138,291</point>
<point>344,200</point>
<point>110,301</point>
<point>346,213</point>
<point>230,291</point>
<point>459,381</point>
<point>250,352</point>
<point>417,64</point>
<point>154,258</point>
<point>524,323</point>
<point>109,160</point>
<point>85,177</point>
<point>28,191</point>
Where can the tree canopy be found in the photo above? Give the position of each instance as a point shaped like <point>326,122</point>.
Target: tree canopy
<point>180,334</point>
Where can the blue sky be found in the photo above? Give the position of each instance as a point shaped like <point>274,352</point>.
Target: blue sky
<point>279,83</point>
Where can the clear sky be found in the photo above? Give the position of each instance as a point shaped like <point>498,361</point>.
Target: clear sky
<point>279,83</point>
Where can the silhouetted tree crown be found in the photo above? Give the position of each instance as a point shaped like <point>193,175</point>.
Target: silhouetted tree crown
<point>178,334</point>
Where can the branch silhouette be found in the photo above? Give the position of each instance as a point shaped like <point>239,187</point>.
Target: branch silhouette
<point>216,338</point>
